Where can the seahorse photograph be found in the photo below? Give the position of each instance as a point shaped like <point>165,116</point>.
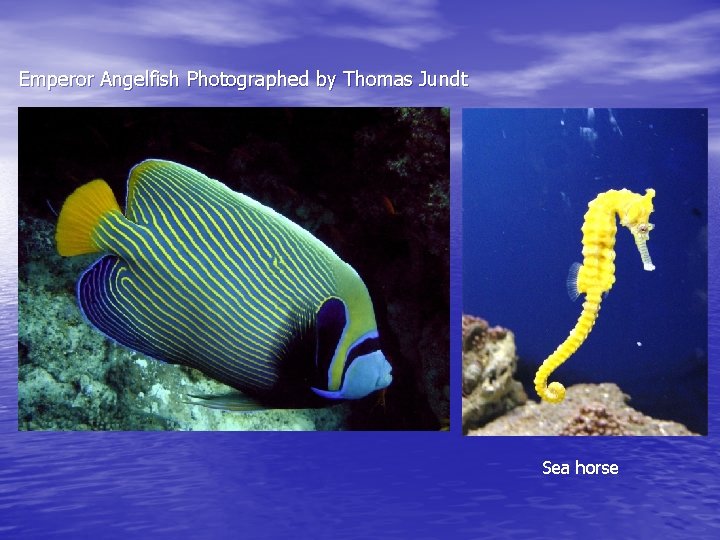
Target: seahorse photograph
<point>233,269</point>
<point>584,262</point>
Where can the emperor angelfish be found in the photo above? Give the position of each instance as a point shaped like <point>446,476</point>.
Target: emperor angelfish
<point>199,275</point>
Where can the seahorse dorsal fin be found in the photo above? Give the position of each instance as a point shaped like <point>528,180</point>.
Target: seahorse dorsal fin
<point>572,288</point>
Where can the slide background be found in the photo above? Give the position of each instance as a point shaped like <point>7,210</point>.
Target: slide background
<point>359,485</point>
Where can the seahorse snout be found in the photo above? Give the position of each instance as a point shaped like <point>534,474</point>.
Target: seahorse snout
<point>641,233</point>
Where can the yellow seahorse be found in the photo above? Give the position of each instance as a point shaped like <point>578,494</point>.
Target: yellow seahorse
<point>596,275</point>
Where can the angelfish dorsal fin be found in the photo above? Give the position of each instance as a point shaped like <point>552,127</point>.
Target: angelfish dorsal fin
<point>572,287</point>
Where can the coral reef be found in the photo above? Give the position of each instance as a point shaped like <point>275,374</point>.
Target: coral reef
<point>71,378</point>
<point>594,419</point>
<point>588,409</point>
<point>489,362</point>
<point>495,404</point>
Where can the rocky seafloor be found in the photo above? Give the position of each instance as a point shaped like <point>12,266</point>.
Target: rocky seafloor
<point>70,377</point>
<point>494,403</point>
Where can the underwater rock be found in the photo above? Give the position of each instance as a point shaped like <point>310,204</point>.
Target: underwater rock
<point>432,354</point>
<point>71,378</point>
<point>588,409</point>
<point>489,362</point>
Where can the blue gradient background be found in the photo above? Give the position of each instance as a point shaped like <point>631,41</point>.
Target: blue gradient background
<point>360,485</point>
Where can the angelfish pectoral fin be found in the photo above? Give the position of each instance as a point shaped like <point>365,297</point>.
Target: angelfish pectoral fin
<point>233,401</point>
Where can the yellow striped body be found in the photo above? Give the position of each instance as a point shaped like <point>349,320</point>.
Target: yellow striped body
<point>597,273</point>
<point>199,275</point>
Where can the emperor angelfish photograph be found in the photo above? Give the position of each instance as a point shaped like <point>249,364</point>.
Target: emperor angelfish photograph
<point>233,269</point>
<point>585,272</point>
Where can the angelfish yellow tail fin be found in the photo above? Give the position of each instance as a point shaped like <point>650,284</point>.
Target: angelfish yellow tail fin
<point>79,216</point>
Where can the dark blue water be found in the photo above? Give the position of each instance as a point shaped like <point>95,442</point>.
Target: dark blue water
<point>527,178</point>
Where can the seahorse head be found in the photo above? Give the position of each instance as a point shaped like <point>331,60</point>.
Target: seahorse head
<point>635,215</point>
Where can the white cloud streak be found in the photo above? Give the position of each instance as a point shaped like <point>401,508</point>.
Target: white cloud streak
<point>400,36</point>
<point>404,24</point>
<point>679,51</point>
<point>394,10</point>
<point>223,23</point>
